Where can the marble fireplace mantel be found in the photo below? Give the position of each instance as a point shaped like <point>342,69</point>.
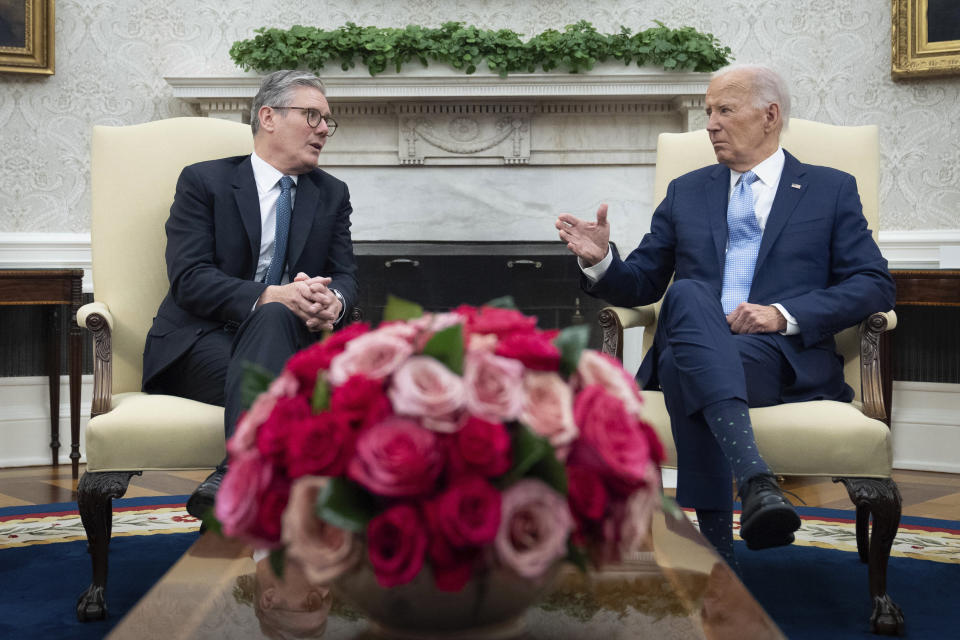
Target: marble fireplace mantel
<point>434,154</point>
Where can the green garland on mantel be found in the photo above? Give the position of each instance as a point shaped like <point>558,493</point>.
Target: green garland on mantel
<point>576,49</point>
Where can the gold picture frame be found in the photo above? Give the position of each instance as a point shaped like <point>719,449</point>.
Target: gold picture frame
<point>924,47</point>
<point>26,36</point>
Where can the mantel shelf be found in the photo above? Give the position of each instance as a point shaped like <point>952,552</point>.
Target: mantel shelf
<point>609,81</point>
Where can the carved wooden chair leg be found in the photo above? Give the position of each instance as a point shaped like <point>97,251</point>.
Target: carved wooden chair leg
<point>863,532</point>
<point>95,495</point>
<point>880,498</point>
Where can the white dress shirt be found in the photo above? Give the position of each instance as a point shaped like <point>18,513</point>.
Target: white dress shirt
<point>267,178</point>
<point>764,190</point>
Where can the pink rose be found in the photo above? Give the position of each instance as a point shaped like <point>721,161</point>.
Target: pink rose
<point>425,387</point>
<point>322,550</point>
<point>494,386</point>
<point>251,500</point>
<point>612,441</point>
<point>600,369</point>
<point>534,527</point>
<point>319,445</point>
<point>396,545</point>
<point>375,355</point>
<point>305,364</point>
<point>244,439</point>
<point>397,458</point>
<point>286,385</point>
<point>641,505</point>
<point>468,512</point>
<point>548,409</point>
<point>480,447</point>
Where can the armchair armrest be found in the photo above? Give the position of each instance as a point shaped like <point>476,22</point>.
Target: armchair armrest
<point>871,380</point>
<point>96,317</point>
<point>614,320</point>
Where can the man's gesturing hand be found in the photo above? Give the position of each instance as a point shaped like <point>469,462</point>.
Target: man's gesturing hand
<point>756,318</point>
<point>589,241</point>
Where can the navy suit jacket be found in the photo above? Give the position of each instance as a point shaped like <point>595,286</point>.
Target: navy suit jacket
<point>817,258</point>
<point>213,244</point>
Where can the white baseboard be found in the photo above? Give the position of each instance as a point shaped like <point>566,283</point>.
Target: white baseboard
<point>25,420</point>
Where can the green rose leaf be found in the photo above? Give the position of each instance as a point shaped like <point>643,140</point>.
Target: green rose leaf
<point>320,401</point>
<point>446,346</point>
<point>277,561</point>
<point>571,342</point>
<point>345,505</point>
<point>503,302</point>
<point>400,309</point>
<point>256,380</point>
<point>529,450</point>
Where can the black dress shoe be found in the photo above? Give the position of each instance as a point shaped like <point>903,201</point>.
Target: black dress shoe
<point>767,518</point>
<point>201,500</point>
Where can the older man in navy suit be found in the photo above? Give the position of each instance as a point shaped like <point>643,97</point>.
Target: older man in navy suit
<point>259,258</point>
<point>770,258</point>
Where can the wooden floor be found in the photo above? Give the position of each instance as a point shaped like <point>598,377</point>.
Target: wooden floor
<point>925,494</point>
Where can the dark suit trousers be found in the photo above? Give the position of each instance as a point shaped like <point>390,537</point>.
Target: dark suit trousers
<point>212,370</point>
<point>699,362</point>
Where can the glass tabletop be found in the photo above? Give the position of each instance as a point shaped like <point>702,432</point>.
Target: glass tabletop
<point>678,589</point>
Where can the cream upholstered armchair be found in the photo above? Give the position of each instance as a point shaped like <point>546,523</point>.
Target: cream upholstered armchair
<point>848,442</point>
<point>134,174</point>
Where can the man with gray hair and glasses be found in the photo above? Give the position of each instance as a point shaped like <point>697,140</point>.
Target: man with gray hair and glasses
<point>259,258</point>
<point>770,257</point>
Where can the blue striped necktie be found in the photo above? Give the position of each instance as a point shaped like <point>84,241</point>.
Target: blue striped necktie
<point>277,263</point>
<point>743,237</point>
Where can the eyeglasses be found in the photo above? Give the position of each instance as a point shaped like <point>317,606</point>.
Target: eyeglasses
<point>314,117</point>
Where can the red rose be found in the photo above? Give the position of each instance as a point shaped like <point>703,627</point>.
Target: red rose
<point>451,567</point>
<point>272,434</point>
<point>586,494</point>
<point>306,363</point>
<point>612,442</point>
<point>319,445</point>
<point>396,545</point>
<point>501,322</point>
<point>397,458</point>
<point>534,350</point>
<point>468,513</point>
<point>355,398</point>
<point>271,504</point>
<point>480,447</point>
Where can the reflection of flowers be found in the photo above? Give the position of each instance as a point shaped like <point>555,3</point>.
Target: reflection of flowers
<point>461,441</point>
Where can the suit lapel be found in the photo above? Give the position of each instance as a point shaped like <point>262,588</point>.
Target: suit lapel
<point>716,192</point>
<point>307,204</point>
<point>784,203</point>
<point>248,203</point>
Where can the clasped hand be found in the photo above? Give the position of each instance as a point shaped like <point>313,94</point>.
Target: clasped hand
<point>309,298</point>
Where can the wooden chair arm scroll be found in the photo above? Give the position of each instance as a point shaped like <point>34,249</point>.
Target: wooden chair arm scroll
<point>614,320</point>
<point>871,379</point>
<point>96,317</point>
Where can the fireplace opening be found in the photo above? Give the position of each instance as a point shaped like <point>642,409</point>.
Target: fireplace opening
<point>542,277</point>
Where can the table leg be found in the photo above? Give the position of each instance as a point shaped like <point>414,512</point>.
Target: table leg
<point>53,372</point>
<point>76,356</point>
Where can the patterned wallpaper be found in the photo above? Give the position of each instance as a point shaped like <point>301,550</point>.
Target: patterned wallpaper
<point>112,55</point>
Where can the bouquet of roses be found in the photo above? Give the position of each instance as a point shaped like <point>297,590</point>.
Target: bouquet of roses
<point>457,440</point>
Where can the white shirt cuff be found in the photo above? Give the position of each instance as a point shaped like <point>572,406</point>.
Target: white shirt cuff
<point>597,271</point>
<point>343,306</point>
<point>792,327</point>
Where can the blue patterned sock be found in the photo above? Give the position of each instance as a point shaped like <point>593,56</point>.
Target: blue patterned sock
<point>717,528</point>
<point>729,421</point>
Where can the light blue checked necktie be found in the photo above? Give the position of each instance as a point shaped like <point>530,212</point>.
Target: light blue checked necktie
<point>275,271</point>
<point>743,236</point>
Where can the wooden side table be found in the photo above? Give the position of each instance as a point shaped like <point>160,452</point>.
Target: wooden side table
<point>53,288</point>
